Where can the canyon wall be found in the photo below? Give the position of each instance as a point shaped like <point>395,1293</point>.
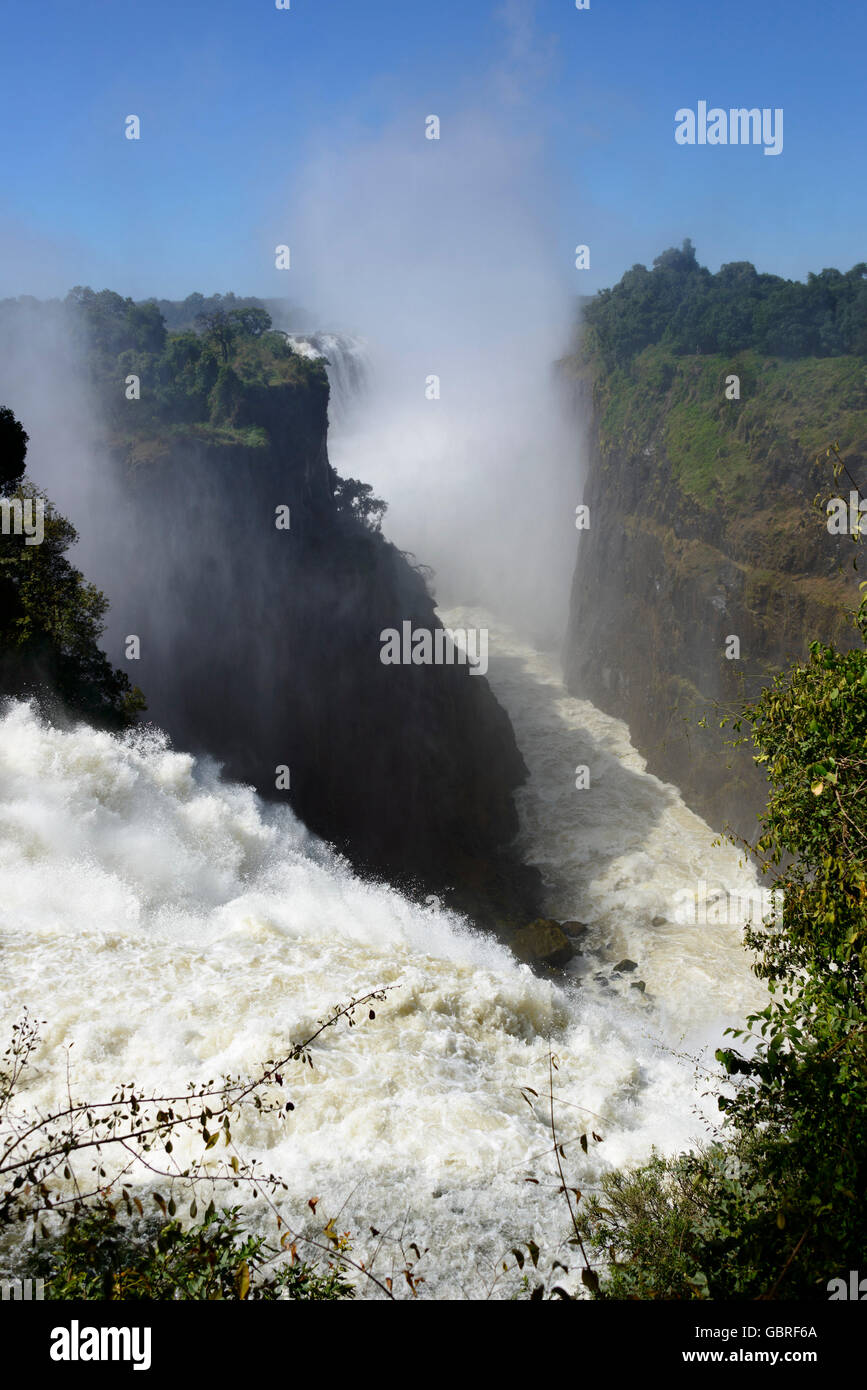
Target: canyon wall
<point>702,527</point>
<point>260,645</point>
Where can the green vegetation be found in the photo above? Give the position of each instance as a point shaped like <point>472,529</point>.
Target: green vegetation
<point>661,344</point>
<point>713,410</point>
<point>51,619</point>
<point>208,382</point>
<point>182,315</point>
<point>65,1182</point>
<point>720,451</point>
<point>775,1209</point>
<point>681,305</point>
<point>355,499</point>
<point>98,1257</point>
<point>219,382</point>
<point>13,451</point>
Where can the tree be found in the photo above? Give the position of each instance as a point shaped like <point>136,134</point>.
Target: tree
<point>250,322</point>
<point>114,325</point>
<point>776,1208</point>
<point>220,328</point>
<point>356,499</point>
<point>804,1088</point>
<point>680,304</point>
<point>51,619</point>
<point>13,451</point>
<point>226,397</point>
<point>147,326</point>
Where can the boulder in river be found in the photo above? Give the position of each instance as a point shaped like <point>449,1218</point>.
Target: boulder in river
<point>574,929</point>
<point>543,942</point>
<point>625,967</point>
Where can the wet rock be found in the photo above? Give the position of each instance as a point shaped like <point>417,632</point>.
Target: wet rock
<point>640,985</point>
<point>625,967</point>
<point>574,929</point>
<point>543,942</point>
<point>659,921</point>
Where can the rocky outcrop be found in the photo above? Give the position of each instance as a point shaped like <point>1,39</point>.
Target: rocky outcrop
<point>260,646</point>
<point>544,942</point>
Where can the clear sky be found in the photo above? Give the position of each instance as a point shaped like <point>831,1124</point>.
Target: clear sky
<point>239,101</point>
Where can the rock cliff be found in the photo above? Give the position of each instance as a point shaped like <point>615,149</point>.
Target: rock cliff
<point>703,528</point>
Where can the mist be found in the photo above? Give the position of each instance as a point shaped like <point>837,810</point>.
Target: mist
<point>442,255</point>
<point>43,381</point>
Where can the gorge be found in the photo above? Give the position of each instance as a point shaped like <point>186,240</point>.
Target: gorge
<point>203,920</point>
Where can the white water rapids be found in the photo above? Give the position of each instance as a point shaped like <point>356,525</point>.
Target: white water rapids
<point>173,928</point>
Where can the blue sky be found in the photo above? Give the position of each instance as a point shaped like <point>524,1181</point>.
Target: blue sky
<point>238,101</point>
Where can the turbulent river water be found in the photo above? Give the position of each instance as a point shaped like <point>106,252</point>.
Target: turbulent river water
<point>171,927</point>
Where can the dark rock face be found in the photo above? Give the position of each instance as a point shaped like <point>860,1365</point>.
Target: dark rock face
<point>575,930</point>
<point>661,582</point>
<point>261,647</point>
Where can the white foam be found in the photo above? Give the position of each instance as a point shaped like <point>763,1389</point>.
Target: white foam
<point>171,927</point>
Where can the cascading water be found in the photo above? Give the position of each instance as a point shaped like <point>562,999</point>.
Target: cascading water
<point>624,855</point>
<point>171,927</point>
<point>348,367</point>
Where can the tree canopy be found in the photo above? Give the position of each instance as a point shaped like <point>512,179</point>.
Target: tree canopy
<point>13,451</point>
<point>680,304</point>
<point>51,619</point>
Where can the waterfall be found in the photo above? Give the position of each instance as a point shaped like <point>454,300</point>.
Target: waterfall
<point>347,364</point>
<point>171,927</point>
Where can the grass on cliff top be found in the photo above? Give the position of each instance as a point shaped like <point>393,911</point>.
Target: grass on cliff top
<point>154,442</point>
<point>719,448</point>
